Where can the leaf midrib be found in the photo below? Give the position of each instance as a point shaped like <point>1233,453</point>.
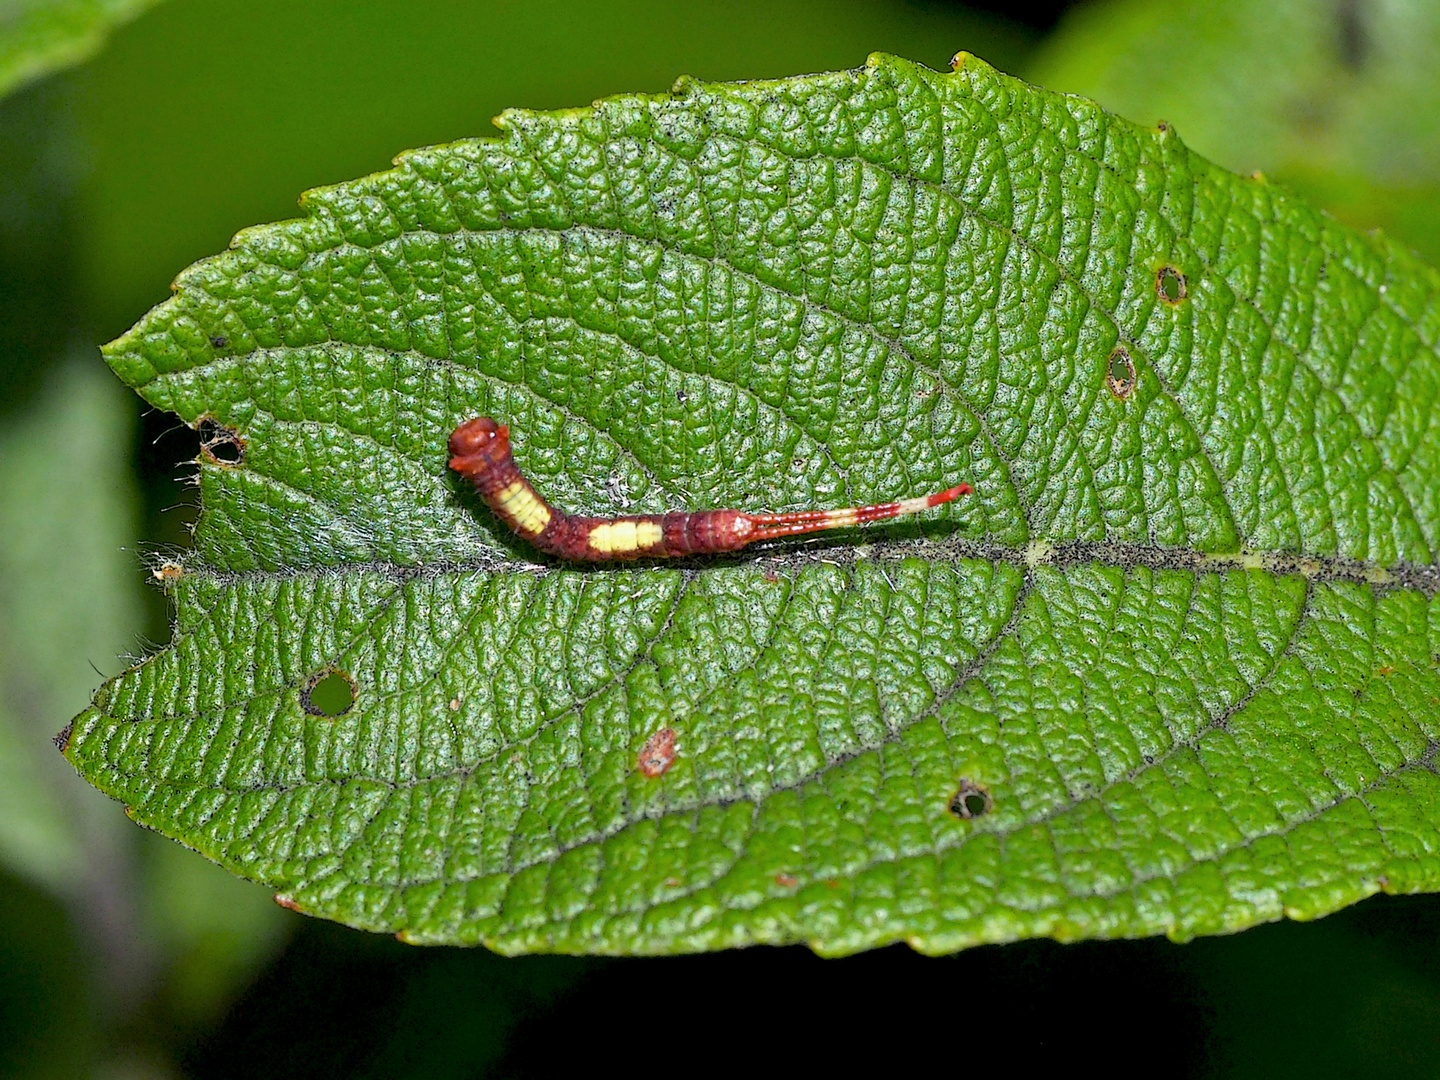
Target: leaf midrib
<point>1322,570</point>
<point>1003,634</point>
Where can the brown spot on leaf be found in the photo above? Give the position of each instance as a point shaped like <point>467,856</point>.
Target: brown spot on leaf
<point>62,737</point>
<point>287,902</point>
<point>658,753</point>
<point>786,881</point>
<point>971,800</point>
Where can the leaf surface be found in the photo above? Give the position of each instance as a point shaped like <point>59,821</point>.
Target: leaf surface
<point>1170,669</point>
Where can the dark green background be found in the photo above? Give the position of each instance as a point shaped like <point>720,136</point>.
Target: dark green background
<point>202,118</point>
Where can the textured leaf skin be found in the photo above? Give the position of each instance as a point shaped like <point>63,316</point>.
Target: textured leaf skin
<point>1185,639</point>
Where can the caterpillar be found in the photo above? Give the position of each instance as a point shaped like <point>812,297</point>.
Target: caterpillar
<point>480,452</point>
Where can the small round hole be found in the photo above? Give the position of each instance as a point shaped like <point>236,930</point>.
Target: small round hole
<point>330,693</point>
<point>219,341</point>
<point>971,800</point>
<point>1170,284</point>
<point>1120,373</point>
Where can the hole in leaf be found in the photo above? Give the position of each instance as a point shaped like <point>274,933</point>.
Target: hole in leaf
<point>658,753</point>
<point>1120,373</point>
<point>1170,284</point>
<point>971,800</point>
<point>219,341</point>
<point>329,693</point>
<point>220,445</point>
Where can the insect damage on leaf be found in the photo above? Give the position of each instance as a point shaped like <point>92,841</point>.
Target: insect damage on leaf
<point>1170,284</point>
<point>330,693</point>
<point>1120,373</point>
<point>971,800</point>
<point>219,444</point>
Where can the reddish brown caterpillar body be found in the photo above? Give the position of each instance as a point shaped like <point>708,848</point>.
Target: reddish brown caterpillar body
<point>480,451</point>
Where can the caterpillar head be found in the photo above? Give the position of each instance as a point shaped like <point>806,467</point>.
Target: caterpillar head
<point>477,444</point>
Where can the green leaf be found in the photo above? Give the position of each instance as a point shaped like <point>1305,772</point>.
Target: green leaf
<point>41,36</point>
<point>1169,670</point>
<point>66,598</point>
<point>1337,100</point>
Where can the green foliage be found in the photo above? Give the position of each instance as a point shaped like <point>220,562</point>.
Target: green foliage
<point>64,598</point>
<point>39,36</point>
<point>1336,98</point>
<point>1180,637</point>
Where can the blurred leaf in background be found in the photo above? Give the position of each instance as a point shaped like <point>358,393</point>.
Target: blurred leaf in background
<point>40,36</point>
<point>98,921</point>
<point>208,117</point>
<point>67,506</point>
<point>1338,99</point>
